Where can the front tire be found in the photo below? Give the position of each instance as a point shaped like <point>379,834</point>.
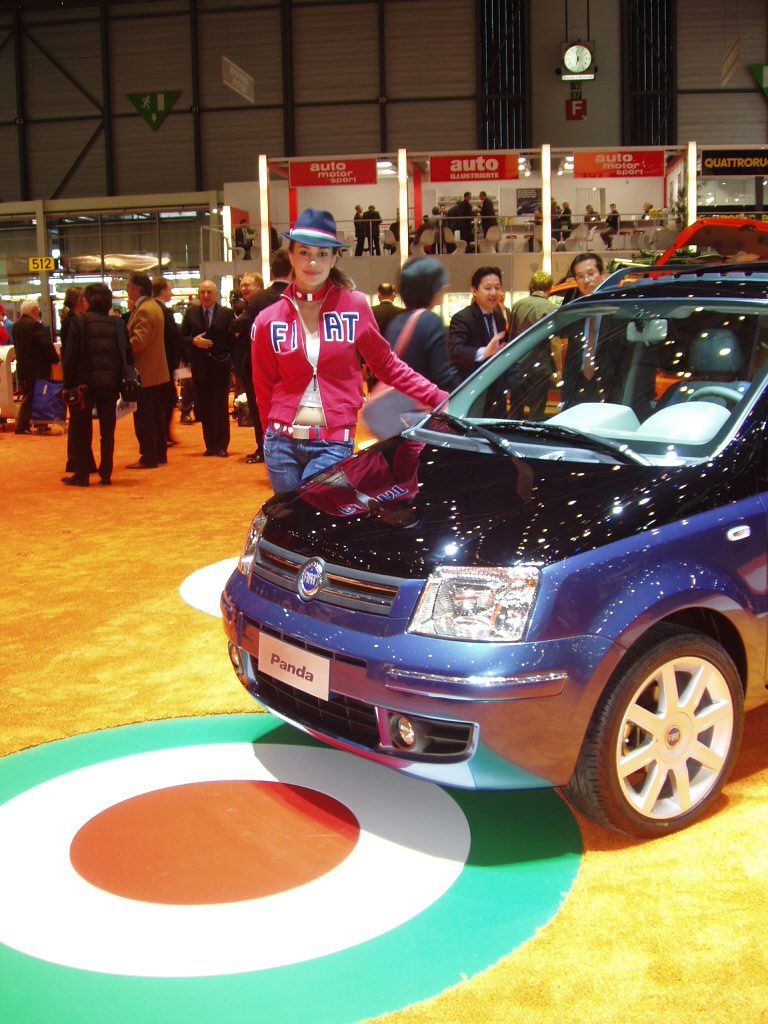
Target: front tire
<point>663,739</point>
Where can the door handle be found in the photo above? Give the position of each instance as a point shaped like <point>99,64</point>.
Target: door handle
<point>740,532</point>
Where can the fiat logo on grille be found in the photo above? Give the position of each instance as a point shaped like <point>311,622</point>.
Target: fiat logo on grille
<point>311,578</point>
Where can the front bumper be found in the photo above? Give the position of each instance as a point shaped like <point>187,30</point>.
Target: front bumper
<point>487,716</point>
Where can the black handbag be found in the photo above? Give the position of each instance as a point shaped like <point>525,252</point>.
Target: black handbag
<point>130,381</point>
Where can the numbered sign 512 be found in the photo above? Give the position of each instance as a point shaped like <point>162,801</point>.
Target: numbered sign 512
<point>38,263</point>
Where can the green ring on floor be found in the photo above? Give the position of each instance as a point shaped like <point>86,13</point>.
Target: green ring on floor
<point>525,854</point>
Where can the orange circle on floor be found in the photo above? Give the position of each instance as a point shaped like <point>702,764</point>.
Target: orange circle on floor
<point>214,842</point>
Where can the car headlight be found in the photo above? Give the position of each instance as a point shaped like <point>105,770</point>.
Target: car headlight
<point>476,604</point>
<point>246,558</point>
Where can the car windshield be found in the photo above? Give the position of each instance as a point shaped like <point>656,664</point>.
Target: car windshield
<point>658,380</point>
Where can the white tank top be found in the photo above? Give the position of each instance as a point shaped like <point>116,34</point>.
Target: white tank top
<point>311,396</point>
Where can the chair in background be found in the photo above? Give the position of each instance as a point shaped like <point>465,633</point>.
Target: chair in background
<point>491,241</point>
<point>418,248</point>
<point>516,243</point>
<point>389,241</point>
<point>451,239</point>
<point>578,238</point>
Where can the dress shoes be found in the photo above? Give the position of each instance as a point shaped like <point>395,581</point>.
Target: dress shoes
<point>254,458</point>
<point>142,465</point>
<point>105,481</point>
<point>186,419</point>
<point>209,452</point>
<point>222,454</point>
<point>27,431</point>
<point>74,481</point>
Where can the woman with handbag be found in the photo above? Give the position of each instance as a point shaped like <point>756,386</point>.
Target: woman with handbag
<point>418,338</point>
<point>93,367</point>
<point>307,350</point>
<point>422,284</point>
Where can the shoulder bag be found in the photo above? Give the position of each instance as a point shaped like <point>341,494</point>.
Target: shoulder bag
<point>387,410</point>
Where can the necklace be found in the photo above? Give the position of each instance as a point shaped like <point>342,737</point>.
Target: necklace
<point>313,296</point>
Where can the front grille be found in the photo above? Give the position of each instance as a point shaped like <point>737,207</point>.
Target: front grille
<point>343,717</point>
<point>342,586</point>
<point>340,716</point>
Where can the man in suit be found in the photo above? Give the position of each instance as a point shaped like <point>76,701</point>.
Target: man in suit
<point>35,356</point>
<point>385,310</point>
<point>280,273</point>
<point>360,231</point>
<point>244,238</point>
<point>461,218</point>
<point>146,333</point>
<point>476,331</point>
<point>487,213</point>
<point>372,220</point>
<point>206,330</point>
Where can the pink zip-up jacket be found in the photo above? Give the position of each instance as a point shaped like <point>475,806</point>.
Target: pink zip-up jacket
<point>282,371</point>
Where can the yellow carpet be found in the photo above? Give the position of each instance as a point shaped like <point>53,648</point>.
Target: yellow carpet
<point>95,635</point>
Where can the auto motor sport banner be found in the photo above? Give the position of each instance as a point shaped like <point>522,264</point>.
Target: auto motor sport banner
<point>473,167</point>
<point>332,172</point>
<point>619,164</point>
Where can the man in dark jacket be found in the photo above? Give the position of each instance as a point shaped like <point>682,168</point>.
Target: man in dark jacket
<point>97,344</point>
<point>372,220</point>
<point>385,310</point>
<point>206,332</point>
<point>35,357</point>
<point>360,229</point>
<point>280,272</point>
<point>487,213</point>
<point>461,218</point>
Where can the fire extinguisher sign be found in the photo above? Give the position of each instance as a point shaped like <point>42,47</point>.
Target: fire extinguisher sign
<point>575,110</point>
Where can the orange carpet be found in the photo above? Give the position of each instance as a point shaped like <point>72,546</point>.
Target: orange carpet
<point>95,635</point>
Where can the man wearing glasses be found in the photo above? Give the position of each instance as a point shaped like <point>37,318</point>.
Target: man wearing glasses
<point>582,379</point>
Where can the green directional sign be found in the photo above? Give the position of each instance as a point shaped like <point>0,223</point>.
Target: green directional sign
<point>760,71</point>
<point>154,107</point>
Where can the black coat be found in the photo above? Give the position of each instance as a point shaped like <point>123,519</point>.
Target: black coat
<point>93,355</point>
<point>468,332</point>
<point>426,352</point>
<point>384,313</point>
<point>203,359</point>
<point>488,215</point>
<point>175,348</point>
<point>35,352</point>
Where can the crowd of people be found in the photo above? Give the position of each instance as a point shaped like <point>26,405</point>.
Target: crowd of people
<point>301,350</point>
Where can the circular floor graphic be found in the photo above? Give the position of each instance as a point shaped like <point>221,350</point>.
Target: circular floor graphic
<point>228,868</point>
<point>202,588</point>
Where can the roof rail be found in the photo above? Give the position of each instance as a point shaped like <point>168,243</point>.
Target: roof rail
<point>628,276</point>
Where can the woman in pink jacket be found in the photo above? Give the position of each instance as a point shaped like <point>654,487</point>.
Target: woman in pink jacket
<point>307,350</point>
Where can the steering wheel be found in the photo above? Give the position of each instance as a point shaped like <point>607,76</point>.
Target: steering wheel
<point>716,391</point>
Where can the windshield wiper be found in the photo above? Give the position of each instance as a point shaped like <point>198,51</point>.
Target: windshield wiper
<point>493,439</point>
<point>620,451</point>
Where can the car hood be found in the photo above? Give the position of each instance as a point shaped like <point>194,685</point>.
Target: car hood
<point>733,238</point>
<point>402,508</point>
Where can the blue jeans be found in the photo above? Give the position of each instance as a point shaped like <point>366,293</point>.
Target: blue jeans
<point>289,462</point>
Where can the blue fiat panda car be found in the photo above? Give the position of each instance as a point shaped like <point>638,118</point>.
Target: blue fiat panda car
<point>556,579</point>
